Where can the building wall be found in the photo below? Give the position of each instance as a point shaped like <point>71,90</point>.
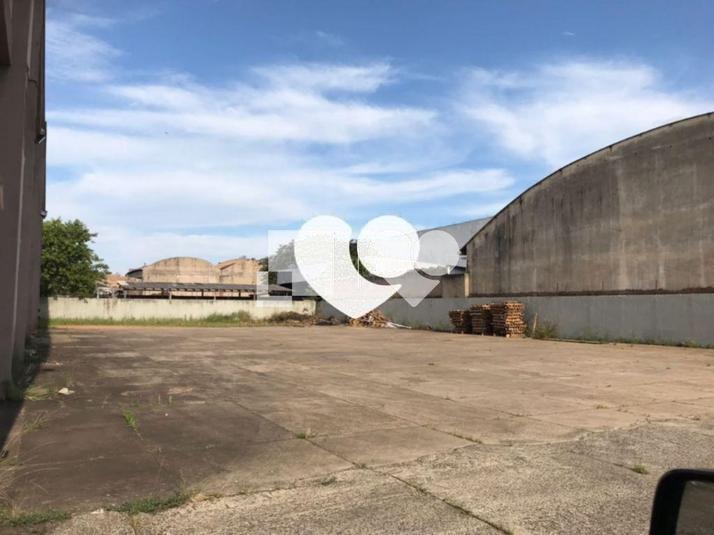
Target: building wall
<point>637,216</point>
<point>449,286</point>
<point>22,175</point>
<point>454,285</point>
<point>181,269</point>
<point>239,271</point>
<point>662,318</point>
<point>152,309</point>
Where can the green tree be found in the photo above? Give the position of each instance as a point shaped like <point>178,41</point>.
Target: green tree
<point>69,265</point>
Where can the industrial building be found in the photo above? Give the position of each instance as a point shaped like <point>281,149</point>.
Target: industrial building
<point>618,245</point>
<point>189,277</point>
<point>634,217</point>
<point>238,271</point>
<point>456,282</point>
<point>23,133</point>
<point>187,269</point>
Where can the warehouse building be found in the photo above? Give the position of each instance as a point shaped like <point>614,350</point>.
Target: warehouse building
<point>618,245</point>
<point>238,271</point>
<point>455,283</point>
<point>182,269</point>
<point>189,277</point>
<point>634,217</point>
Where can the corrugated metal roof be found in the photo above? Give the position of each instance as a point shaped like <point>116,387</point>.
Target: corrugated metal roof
<point>462,232</point>
<point>199,286</point>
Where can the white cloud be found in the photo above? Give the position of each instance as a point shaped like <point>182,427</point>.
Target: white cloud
<point>171,166</point>
<point>161,161</point>
<point>327,77</point>
<point>291,104</point>
<point>73,54</point>
<point>556,113</point>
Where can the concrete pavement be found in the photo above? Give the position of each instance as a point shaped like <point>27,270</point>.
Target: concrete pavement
<point>351,430</point>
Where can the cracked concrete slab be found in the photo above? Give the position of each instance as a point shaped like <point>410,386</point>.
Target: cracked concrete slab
<point>509,430</point>
<point>359,502</point>
<point>457,433</point>
<point>657,447</point>
<point>389,446</point>
<point>104,522</point>
<point>537,489</point>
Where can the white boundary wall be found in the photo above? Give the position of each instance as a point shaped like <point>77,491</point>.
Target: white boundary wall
<point>665,318</point>
<point>150,309</point>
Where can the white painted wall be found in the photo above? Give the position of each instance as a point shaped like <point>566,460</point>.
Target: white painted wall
<point>666,318</point>
<point>121,309</point>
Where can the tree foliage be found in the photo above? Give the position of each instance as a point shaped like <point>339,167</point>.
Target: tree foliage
<point>69,265</point>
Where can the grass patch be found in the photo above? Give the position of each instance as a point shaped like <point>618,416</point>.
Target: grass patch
<point>130,419</point>
<point>305,434</point>
<point>214,320</point>
<point>547,331</point>
<point>36,423</point>
<point>635,341</point>
<point>289,316</point>
<point>242,316</point>
<point>154,504</point>
<point>639,469</point>
<point>16,393</point>
<point>544,331</point>
<point>18,519</point>
<point>38,392</point>
<point>237,319</point>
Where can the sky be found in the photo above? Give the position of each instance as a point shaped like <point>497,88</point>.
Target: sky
<point>195,127</point>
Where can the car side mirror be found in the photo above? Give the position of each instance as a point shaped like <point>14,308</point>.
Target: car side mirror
<point>684,503</point>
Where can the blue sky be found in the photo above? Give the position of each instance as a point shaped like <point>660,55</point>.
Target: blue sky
<point>193,127</point>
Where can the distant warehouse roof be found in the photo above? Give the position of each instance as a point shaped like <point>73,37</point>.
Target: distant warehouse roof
<point>461,232</point>
<point>199,287</point>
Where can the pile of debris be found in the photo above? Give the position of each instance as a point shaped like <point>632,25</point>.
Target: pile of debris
<point>292,319</point>
<point>371,319</point>
<point>502,319</point>
<point>481,319</point>
<point>508,318</point>
<point>461,320</point>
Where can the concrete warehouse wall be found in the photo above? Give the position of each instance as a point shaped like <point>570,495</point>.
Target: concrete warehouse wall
<point>181,269</point>
<point>239,271</point>
<point>147,309</point>
<point>635,216</point>
<point>22,174</point>
<point>666,318</point>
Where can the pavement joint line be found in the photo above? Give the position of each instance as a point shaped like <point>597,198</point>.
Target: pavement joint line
<point>426,426</point>
<point>598,458</point>
<point>461,509</point>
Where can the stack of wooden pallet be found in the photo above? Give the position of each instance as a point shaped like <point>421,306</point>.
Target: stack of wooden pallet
<point>508,318</point>
<point>461,320</point>
<point>481,321</point>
